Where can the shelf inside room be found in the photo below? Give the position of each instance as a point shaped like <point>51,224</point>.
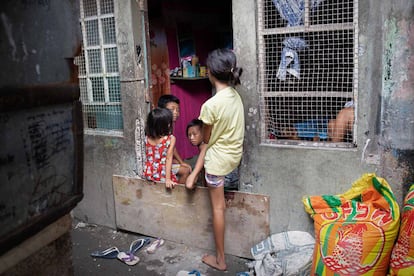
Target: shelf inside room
<point>188,78</point>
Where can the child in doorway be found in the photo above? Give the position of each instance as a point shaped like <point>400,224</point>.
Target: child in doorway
<point>223,132</point>
<point>195,135</point>
<point>159,147</point>
<point>172,103</point>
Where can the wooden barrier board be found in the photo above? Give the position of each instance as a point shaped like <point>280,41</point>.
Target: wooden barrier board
<point>185,216</point>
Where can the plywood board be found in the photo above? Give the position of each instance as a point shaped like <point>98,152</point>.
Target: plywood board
<point>185,216</point>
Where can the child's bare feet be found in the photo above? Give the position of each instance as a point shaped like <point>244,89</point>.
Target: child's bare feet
<point>214,262</point>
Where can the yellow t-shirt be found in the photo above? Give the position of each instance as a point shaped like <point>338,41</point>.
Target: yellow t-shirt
<point>225,112</point>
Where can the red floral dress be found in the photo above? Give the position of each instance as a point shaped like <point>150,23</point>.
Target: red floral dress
<point>156,160</point>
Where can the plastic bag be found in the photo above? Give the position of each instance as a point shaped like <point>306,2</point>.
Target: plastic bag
<point>286,253</point>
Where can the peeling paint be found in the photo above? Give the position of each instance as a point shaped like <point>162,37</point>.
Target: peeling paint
<point>397,51</point>
<point>398,78</point>
<point>252,111</point>
<point>391,46</point>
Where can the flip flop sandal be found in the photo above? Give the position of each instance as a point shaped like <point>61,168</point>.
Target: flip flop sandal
<point>154,246</point>
<point>128,258</point>
<point>187,273</point>
<point>110,253</point>
<point>138,244</point>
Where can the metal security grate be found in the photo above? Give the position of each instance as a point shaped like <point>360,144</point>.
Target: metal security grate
<point>98,67</point>
<point>308,72</point>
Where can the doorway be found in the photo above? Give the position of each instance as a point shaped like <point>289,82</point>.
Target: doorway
<point>179,32</point>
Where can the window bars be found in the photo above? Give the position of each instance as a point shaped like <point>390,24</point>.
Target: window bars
<point>99,79</point>
<point>308,72</point>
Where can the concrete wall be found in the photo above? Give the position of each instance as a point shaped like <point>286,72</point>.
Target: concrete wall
<point>106,155</point>
<point>384,118</point>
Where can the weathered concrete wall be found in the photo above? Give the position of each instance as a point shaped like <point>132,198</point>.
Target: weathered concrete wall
<point>384,119</point>
<point>385,124</point>
<point>106,155</point>
<point>397,116</point>
<point>38,41</point>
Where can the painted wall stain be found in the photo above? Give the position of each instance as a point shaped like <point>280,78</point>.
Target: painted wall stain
<point>398,60</point>
<point>408,85</point>
<point>111,143</point>
<point>126,201</point>
<point>390,45</point>
<point>252,111</point>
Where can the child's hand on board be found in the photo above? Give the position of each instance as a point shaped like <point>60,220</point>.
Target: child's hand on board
<point>169,184</point>
<point>190,182</point>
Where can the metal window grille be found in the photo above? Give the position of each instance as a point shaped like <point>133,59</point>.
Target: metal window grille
<point>308,72</point>
<point>99,79</point>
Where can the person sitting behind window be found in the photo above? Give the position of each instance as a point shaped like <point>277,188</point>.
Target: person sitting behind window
<point>334,130</point>
<point>339,128</point>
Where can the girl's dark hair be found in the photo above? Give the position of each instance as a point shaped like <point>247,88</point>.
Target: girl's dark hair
<point>159,123</point>
<point>222,64</point>
<point>194,122</point>
<point>167,98</point>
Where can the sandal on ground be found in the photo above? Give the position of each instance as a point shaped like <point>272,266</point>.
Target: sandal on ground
<point>128,258</point>
<point>155,245</point>
<point>110,253</point>
<point>189,273</point>
<point>138,244</point>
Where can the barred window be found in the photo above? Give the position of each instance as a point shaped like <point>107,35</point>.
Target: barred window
<point>99,79</point>
<point>308,72</point>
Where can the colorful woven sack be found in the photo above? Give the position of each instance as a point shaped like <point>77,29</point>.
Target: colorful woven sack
<point>402,257</point>
<point>354,231</point>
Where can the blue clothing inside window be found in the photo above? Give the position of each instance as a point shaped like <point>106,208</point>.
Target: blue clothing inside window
<point>313,128</point>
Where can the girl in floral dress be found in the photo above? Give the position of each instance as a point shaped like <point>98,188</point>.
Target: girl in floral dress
<point>159,147</point>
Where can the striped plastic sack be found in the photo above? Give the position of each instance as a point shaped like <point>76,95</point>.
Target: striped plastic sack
<point>402,257</point>
<point>354,231</point>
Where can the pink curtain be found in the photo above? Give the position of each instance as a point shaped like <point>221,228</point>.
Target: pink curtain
<point>192,94</point>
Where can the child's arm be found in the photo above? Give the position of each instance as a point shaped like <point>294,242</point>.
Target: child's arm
<point>191,179</point>
<point>207,133</point>
<point>168,166</point>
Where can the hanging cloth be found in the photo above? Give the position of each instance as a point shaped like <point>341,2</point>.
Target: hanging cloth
<point>292,11</point>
